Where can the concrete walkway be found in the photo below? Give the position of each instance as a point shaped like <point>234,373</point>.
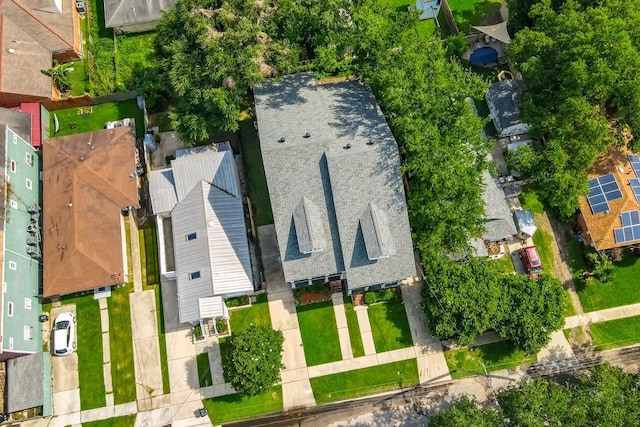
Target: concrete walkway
<point>557,349</point>
<point>365,329</point>
<point>106,350</point>
<point>602,316</point>
<point>343,328</point>
<point>361,362</point>
<point>146,348</point>
<point>66,384</point>
<point>135,254</point>
<point>432,365</point>
<point>296,388</point>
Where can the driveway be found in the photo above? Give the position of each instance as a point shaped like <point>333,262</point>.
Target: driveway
<point>66,385</point>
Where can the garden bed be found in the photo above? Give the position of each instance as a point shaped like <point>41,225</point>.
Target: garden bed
<point>312,294</point>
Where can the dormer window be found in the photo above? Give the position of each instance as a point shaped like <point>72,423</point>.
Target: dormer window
<point>192,236</point>
<point>194,275</point>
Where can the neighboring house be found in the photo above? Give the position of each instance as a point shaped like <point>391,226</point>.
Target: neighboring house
<point>28,383</point>
<point>201,194</point>
<point>609,215</point>
<point>134,16</point>
<point>499,223</point>
<point>39,122</point>
<point>21,237</point>
<point>333,173</point>
<point>504,99</point>
<point>33,33</point>
<point>429,9</point>
<point>88,179</point>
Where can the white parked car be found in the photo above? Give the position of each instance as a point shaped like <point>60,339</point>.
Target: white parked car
<point>64,334</point>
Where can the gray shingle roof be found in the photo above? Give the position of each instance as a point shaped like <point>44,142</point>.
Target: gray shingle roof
<point>309,230</point>
<point>25,379</point>
<point>499,219</point>
<point>504,99</point>
<point>118,13</point>
<point>162,190</point>
<point>337,169</point>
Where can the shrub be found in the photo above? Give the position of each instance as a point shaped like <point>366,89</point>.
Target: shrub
<point>601,264</point>
<point>237,301</point>
<point>386,295</point>
<point>370,298</point>
<point>222,326</point>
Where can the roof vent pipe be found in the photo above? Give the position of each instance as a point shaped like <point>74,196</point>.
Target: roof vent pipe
<point>346,147</point>
<point>370,142</point>
<point>281,140</point>
<point>307,135</point>
<point>12,51</point>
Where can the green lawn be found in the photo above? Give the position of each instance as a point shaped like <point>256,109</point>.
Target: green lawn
<point>161,120</point>
<point>254,170</point>
<point>424,28</point>
<point>616,333</point>
<point>257,314</point>
<point>506,263</point>
<point>544,242</point>
<point>234,407</point>
<point>389,326</point>
<point>319,333</point>
<point>121,340</point>
<point>149,254</point>
<point>79,78</point>
<point>355,337</point>
<point>471,12</point>
<point>134,54</point>
<point>71,122</point>
<point>529,200</point>
<point>622,289</point>
<point>496,356</point>
<point>204,370</point>
<point>90,360</point>
<point>362,382</point>
<point>126,421</point>
<point>100,61</point>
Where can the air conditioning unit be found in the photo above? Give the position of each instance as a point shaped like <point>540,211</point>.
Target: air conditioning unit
<point>81,6</point>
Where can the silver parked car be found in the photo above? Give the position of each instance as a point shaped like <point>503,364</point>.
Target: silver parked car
<point>64,334</point>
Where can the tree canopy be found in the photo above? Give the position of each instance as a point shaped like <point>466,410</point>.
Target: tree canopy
<point>254,360</point>
<point>603,396</point>
<point>465,299</point>
<point>579,62</point>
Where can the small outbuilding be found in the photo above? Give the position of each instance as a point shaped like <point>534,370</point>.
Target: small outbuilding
<point>525,223</point>
<point>504,99</point>
<point>134,16</point>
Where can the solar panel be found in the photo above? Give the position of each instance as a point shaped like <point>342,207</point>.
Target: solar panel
<point>625,218</point>
<point>595,190</point>
<point>634,158</point>
<point>619,235</point>
<point>635,164</point>
<point>635,188</point>
<point>593,183</point>
<point>627,234</point>
<point>613,195</point>
<point>604,179</point>
<point>601,191</point>
<point>603,207</point>
<point>635,218</point>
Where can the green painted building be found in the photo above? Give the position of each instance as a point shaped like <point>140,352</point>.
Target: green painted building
<point>21,237</point>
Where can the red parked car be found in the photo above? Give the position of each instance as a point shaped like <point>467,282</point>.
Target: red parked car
<point>531,261</point>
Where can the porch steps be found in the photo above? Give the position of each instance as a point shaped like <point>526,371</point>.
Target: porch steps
<point>335,286</point>
<point>208,328</point>
<point>358,299</point>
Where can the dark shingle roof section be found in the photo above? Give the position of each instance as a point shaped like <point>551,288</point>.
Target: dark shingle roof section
<point>499,219</point>
<point>339,153</point>
<point>25,376</point>
<point>309,228</point>
<point>505,99</point>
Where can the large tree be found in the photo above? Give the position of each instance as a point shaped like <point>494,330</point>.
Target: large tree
<point>254,359</point>
<point>578,61</point>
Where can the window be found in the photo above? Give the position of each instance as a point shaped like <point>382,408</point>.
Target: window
<point>10,343</point>
<point>13,166</point>
<point>29,159</point>
<point>194,275</point>
<point>29,184</point>
<point>28,333</point>
<point>10,309</point>
<point>192,236</point>
<point>13,204</point>
<point>13,265</point>
<point>15,138</point>
<point>27,303</point>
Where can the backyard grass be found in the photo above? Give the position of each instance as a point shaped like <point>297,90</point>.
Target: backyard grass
<point>134,53</point>
<point>254,170</point>
<point>472,12</point>
<point>161,120</point>
<point>234,407</point>
<point>355,337</point>
<point>319,333</point>
<point>121,343</point>
<point>90,360</point>
<point>496,356</point>
<point>389,326</point>
<point>126,421</point>
<point>149,254</point>
<point>506,263</point>
<point>622,289</point>
<point>529,200</point>
<point>616,333</point>
<point>71,122</point>
<point>424,28</point>
<point>257,314</point>
<point>204,370</point>
<point>362,382</point>
<point>79,78</point>
<point>101,67</point>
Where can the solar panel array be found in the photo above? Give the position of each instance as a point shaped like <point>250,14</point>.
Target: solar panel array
<point>635,164</point>
<point>630,230</point>
<point>635,182</point>
<point>601,191</point>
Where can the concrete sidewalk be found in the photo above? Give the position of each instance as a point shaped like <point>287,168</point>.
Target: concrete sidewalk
<point>146,348</point>
<point>365,329</point>
<point>106,350</point>
<point>296,388</point>
<point>602,316</point>
<point>135,253</point>
<point>343,328</point>
<point>432,365</point>
<point>362,362</point>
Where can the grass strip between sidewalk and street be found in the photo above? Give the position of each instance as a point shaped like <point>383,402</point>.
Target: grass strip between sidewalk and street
<point>470,360</point>
<point>234,407</point>
<point>319,333</point>
<point>362,382</point>
<point>204,370</point>
<point>357,348</point>
<point>126,421</point>
<point>615,333</point>
<point>121,343</point>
